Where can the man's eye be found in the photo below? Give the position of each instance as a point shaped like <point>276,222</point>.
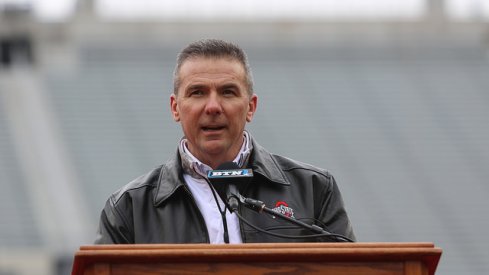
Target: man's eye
<point>196,93</point>
<point>228,92</point>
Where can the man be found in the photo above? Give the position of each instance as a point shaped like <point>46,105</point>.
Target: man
<point>213,99</point>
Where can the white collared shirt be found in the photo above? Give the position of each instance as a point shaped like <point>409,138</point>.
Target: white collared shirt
<point>202,193</point>
<point>205,200</point>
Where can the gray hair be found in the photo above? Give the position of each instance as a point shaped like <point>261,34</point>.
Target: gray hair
<point>212,48</point>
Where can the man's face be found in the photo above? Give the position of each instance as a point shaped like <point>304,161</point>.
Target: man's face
<point>213,106</point>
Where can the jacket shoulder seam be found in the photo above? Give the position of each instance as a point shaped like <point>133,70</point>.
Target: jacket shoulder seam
<point>295,165</point>
<point>118,195</point>
<point>142,181</point>
<point>325,174</point>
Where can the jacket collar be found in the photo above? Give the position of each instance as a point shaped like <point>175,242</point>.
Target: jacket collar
<point>264,163</point>
<point>261,161</point>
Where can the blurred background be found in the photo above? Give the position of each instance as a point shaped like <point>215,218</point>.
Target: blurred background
<point>392,97</point>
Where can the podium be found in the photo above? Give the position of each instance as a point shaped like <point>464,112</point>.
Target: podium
<point>258,258</point>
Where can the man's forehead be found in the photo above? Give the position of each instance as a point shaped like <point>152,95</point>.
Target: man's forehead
<point>211,68</point>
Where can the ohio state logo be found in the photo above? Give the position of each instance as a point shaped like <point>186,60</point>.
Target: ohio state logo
<point>284,209</point>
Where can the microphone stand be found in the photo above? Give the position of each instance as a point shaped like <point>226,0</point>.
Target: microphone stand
<point>260,207</point>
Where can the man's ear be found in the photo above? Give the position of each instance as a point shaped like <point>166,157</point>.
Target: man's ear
<point>174,107</point>
<point>252,107</point>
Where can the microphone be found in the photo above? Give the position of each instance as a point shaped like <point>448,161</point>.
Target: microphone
<point>226,179</point>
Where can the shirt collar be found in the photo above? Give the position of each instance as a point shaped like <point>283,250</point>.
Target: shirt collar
<point>263,163</point>
<point>197,169</point>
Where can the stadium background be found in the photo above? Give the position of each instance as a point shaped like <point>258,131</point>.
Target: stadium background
<point>392,98</point>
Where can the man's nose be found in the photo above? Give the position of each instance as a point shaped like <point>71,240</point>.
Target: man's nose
<point>213,105</point>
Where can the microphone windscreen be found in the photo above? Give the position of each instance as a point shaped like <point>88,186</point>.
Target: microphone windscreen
<point>226,174</point>
<point>228,166</point>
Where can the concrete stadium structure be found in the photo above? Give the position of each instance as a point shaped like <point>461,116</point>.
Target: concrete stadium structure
<point>398,111</point>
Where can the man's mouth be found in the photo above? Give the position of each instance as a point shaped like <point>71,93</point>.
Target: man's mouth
<point>212,128</point>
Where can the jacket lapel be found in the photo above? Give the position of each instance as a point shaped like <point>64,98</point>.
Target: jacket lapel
<point>171,178</point>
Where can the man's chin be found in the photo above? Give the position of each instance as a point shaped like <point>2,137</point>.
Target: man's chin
<point>214,148</point>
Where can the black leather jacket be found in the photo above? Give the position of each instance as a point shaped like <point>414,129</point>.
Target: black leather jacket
<point>159,208</point>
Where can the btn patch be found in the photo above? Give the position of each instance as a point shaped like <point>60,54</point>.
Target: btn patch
<point>284,209</point>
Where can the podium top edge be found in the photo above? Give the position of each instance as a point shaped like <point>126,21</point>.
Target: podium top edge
<point>260,245</point>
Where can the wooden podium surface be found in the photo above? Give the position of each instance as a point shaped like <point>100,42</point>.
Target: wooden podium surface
<point>270,258</point>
